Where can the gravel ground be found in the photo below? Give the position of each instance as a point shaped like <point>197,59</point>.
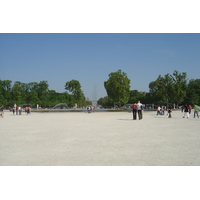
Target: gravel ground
<point>99,139</point>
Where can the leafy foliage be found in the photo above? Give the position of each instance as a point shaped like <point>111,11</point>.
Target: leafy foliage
<point>165,89</point>
<point>162,88</point>
<point>118,87</point>
<point>36,93</point>
<point>170,88</point>
<point>74,87</point>
<point>193,92</point>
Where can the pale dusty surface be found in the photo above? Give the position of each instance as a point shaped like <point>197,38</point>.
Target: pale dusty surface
<point>99,139</point>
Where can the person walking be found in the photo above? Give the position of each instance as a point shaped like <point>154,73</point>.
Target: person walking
<point>186,111</point>
<point>169,112</point>
<point>196,111</point>
<point>134,107</point>
<point>139,109</point>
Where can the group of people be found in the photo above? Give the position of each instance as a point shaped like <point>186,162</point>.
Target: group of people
<point>17,110</point>
<point>187,111</point>
<point>161,111</point>
<point>137,109</point>
<point>90,109</point>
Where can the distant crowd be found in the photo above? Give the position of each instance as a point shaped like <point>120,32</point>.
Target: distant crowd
<point>136,108</point>
<point>17,110</point>
<point>186,109</point>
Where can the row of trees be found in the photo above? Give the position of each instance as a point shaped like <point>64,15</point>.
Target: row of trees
<point>170,88</point>
<point>38,93</point>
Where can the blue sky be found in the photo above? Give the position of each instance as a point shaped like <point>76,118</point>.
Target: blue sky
<point>90,57</point>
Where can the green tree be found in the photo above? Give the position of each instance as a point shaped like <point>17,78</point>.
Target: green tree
<point>2,99</point>
<point>165,88</point>
<point>118,87</point>
<point>18,92</point>
<point>193,92</point>
<point>42,89</point>
<point>74,87</point>
<point>105,102</point>
<point>63,97</point>
<point>179,86</point>
<point>36,93</point>
<point>5,93</point>
<point>170,88</point>
<point>33,99</point>
<point>135,96</point>
<point>154,95</point>
<point>32,86</point>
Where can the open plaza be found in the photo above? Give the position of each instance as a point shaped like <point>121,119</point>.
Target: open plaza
<point>99,139</point>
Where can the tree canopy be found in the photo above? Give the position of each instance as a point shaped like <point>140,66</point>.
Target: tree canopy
<point>162,88</point>
<point>35,93</point>
<point>170,88</point>
<point>74,87</point>
<point>118,87</point>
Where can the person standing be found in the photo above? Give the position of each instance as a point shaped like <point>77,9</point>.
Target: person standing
<point>20,110</point>
<point>182,108</point>
<point>89,109</point>
<point>28,110</point>
<point>2,111</point>
<point>17,109</point>
<point>196,110</point>
<point>13,110</point>
<point>134,107</point>
<point>189,109</point>
<point>139,109</point>
<point>163,110</point>
<point>186,111</point>
<point>158,110</point>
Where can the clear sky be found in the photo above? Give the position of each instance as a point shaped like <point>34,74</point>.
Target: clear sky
<point>89,58</point>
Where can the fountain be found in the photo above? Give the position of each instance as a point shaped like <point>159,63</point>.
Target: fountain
<point>61,107</point>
